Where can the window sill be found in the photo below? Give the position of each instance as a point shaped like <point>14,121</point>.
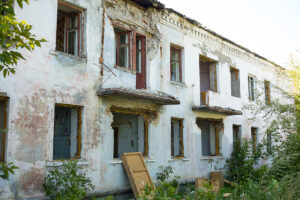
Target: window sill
<point>178,83</point>
<point>77,58</point>
<point>59,163</point>
<point>212,157</point>
<point>124,69</point>
<point>178,158</point>
<point>117,161</point>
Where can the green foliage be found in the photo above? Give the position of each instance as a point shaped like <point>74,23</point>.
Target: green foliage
<point>6,169</point>
<point>164,173</point>
<point>67,182</point>
<point>14,35</point>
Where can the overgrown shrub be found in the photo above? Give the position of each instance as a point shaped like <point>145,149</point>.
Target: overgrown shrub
<point>6,169</point>
<point>67,182</point>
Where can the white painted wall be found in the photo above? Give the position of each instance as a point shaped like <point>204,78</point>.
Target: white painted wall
<point>48,77</point>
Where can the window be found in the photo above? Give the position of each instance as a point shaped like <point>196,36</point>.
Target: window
<point>251,88</point>
<point>123,47</point>
<point>68,30</point>
<point>237,133</point>
<point>267,92</point>
<point>176,65</point>
<point>130,134</point>
<point>67,132</point>
<point>254,132</point>
<point>3,127</point>
<point>177,149</point>
<point>235,82</point>
<point>269,142</point>
<point>208,78</point>
<point>210,137</point>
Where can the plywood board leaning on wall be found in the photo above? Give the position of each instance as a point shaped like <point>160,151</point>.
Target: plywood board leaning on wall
<point>137,172</point>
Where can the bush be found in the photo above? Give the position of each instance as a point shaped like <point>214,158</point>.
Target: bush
<point>6,169</point>
<point>67,182</point>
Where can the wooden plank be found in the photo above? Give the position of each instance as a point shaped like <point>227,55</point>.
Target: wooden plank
<point>199,182</point>
<point>217,176</point>
<point>137,172</point>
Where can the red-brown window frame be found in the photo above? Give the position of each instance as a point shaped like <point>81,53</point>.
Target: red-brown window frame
<point>118,45</point>
<point>174,49</point>
<point>181,143</point>
<point>79,13</point>
<point>5,99</point>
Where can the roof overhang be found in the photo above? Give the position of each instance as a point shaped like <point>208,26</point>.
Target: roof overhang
<point>217,110</point>
<point>159,98</point>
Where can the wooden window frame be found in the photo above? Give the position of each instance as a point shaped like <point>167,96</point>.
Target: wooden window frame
<point>267,92</point>
<point>181,139</point>
<point>251,93</point>
<point>118,45</point>
<point>79,129</point>
<point>5,99</point>
<point>179,51</point>
<point>78,12</point>
<point>237,75</point>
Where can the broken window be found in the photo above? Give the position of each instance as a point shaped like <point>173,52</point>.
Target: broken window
<point>130,134</point>
<point>237,133</point>
<point>67,132</point>
<point>235,82</point>
<point>254,132</point>
<point>176,64</point>
<point>210,137</point>
<point>251,88</point>
<point>3,127</point>
<point>208,78</point>
<point>177,148</point>
<point>267,92</point>
<point>68,30</point>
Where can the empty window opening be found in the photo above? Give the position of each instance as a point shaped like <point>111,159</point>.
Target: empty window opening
<point>68,31</point>
<point>251,88</point>
<point>210,137</point>
<point>254,132</point>
<point>67,132</point>
<point>267,92</point>
<point>176,64</point>
<point>235,82</point>
<point>130,134</point>
<point>237,133</point>
<point>3,127</point>
<point>208,77</point>
<point>177,148</point>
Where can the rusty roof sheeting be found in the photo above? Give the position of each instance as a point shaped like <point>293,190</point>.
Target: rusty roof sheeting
<point>217,110</point>
<point>159,98</point>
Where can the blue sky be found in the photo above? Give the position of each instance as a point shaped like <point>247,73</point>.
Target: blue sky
<point>270,28</point>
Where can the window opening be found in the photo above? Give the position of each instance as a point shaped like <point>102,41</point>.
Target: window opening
<point>177,148</point>
<point>267,92</point>
<point>235,82</point>
<point>176,65</point>
<point>3,126</point>
<point>251,88</point>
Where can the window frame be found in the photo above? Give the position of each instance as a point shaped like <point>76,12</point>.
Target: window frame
<point>5,120</point>
<point>79,130</point>
<point>237,77</point>
<point>268,92</point>
<point>181,139</point>
<point>179,51</point>
<point>79,13</point>
<point>254,138</point>
<point>118,45</point>
<point>251,93</point>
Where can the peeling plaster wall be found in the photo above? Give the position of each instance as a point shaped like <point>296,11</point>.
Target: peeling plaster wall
<point>48,77</point>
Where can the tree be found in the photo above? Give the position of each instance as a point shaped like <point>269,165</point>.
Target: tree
<point>14,35</point>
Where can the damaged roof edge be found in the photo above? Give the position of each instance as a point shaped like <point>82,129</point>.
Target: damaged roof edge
<point>217,110</point>
<point>158,5</point>
<point>163,99</point>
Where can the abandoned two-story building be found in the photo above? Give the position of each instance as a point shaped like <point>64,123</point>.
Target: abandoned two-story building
<point>121,76</point>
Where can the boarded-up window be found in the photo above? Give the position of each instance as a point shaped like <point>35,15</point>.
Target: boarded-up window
<point>177,149</point>
<point>210,137</point>
<point>251,88</point>
<point>237,133</point>
<point>130,134</point>
<point>235,82</point>
<point>69,29</point>
<point>267,92</point>
<point>254,132</point>
<point>3,127</point>
<point>67,132</point>
<point>176,64</point>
